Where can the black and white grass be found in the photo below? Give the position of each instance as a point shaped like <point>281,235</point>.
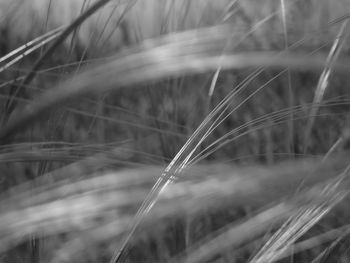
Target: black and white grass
<point>174,131</point>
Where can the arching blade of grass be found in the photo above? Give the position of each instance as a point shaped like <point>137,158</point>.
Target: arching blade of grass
<point>222,117</point>
<point>169,175</point>
<point>324,80</point>
<point>114,75</point>
<point>72,204</point>
<point>223,105</point>
<point>277,117</point>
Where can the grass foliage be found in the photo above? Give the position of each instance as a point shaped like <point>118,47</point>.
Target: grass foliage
<point>174,131</point>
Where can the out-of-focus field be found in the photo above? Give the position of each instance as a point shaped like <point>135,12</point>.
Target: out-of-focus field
<point>174,131</point>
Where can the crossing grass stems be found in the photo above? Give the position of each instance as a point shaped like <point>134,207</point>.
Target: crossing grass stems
<point>174,131</point>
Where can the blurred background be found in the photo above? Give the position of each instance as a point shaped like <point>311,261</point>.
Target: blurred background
<point>279,113</point>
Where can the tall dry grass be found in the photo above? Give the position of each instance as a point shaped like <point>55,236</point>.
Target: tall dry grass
<point>244,105</point>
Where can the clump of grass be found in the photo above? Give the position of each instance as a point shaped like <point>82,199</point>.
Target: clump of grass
<point>81,154</point>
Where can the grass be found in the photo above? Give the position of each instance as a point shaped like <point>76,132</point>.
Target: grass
<point>174,131</point>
